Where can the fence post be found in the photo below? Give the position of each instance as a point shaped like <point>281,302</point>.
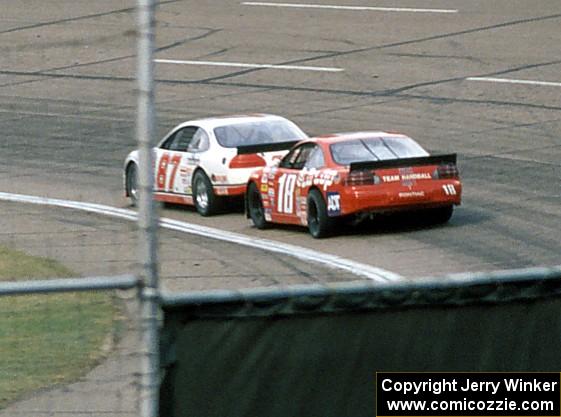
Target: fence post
<point>147,215</point>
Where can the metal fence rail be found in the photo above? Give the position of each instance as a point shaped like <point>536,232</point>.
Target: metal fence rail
<point>528,277</point>
<point>121,282</point>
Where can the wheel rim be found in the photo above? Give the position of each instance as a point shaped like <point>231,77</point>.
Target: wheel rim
<point>133,184</point>
<point>201,195</point>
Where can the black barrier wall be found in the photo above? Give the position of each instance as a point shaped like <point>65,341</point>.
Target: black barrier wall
<point>314,351</point>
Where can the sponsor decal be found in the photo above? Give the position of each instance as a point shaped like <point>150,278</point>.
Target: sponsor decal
<point>333,204</point>
<point>410,194</point>
<point>407,177</point>
<point>264,188</point>
<point>449,189</point>
<point>302,210</point>
<point>390,178</point>
<point>193,159</point>
<point>301,206</point>
<point>219,178</point>
<point>272,172</point>
<point>221,190</point>
<point>268,214</point>
<point>322,179</point>
<point>270,196</point>
<point>416,176</point>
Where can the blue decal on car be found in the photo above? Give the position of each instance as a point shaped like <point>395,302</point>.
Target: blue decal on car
<point>333,204</point>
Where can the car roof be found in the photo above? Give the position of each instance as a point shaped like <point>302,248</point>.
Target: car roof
<point>342,137</point>
<point>217,121</point>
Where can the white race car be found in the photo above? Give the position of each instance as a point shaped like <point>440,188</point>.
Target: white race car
<point>201,162</point>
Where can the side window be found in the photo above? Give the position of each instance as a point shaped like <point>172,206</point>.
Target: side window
<point>315,158</point>
<point>290,158</point>
<point>298,157</point>
<point>303,156</point>
<point>200,141</point>
<point>180,140</point>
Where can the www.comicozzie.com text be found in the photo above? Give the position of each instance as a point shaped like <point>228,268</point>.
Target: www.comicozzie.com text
<point>470,405</point>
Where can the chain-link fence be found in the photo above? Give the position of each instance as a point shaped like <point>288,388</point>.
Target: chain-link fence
<point>69,347</point>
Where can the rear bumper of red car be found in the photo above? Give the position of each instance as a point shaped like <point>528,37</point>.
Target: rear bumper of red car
<point>380,198</point>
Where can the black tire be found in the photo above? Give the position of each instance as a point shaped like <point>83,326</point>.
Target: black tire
<point>441,214</point>
<point>131,183</point>
<point>255,207</point>
<point>319,223</point>
<point>204,199</point>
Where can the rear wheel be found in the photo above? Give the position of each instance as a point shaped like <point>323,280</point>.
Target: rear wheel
<point>319,223</point>
<point>131,183</point>
<point>205,201</point>
<point>255,207</point>
<point>441,214</point>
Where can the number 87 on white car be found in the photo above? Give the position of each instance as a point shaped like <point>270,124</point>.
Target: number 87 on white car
<point>207,162</point>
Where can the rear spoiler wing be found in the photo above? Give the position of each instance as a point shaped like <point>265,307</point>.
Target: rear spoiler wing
<point>405,162</point>
<point>266,147</point>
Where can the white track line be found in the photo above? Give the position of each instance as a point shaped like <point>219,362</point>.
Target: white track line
<point>355,8</point>
<point>308,255</point>
<point>245,65</point>
<point>513,81</point>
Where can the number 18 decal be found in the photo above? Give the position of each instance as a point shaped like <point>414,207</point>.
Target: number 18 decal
<point>285,200</point>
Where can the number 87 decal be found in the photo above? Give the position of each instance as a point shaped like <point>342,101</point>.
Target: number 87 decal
<point>161,176</point>
<point>285,201</point>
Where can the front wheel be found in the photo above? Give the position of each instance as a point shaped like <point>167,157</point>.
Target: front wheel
<point>255,207</point>
<point>319,223</point>
<point>132,184</point>
<point>205,201</point>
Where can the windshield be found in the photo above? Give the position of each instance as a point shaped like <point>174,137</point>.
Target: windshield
<point>375,149</point>
<point>257,133</point>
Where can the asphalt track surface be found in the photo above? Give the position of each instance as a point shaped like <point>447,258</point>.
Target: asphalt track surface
<point>67,108</point>
<point>67,116</point>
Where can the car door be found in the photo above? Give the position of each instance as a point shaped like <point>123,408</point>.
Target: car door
<point>291,183</point>
<point>174,162</point>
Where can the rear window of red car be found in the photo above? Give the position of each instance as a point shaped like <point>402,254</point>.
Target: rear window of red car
<point>375,149</point>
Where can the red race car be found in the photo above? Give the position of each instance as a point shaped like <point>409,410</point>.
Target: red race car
<point>330,177</point>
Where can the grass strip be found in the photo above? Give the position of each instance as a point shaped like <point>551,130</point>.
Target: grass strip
<point>48,339</point>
